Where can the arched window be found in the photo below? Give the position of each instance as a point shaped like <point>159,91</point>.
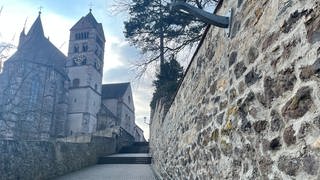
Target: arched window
<point>52,75</point>
<point>84,47</point>
<point>76,48</point>
<point>96,51</point>
<point>20,69</point>
<point>82,35</point>
<point>76,83</point>
<point>34,91</point>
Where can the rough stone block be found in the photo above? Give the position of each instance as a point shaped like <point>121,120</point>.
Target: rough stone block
<point>310,164</point>
<point>289,165</point>
<point>308,71</point>
<point>270,40</point>
<point>233,58</point>
<point>239,69</point>
<point>299,104</point>
<point>294,17</point>
<point>260,126</point>
<point>275,144</point>
<point>226,148</point>
<point>251,77</point>
<point>313,25</point>
<point>288,136</point>
<point>253,54</point>
<point>276,121</point>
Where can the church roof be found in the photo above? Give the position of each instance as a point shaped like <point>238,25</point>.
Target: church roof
<point>114,91</point>
<point>36,48</point>
<point>89,21</point>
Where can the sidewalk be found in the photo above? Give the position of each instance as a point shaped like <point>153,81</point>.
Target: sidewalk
<point>112,172</point>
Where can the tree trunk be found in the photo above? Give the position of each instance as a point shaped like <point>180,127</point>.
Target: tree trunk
<point>161,39</point>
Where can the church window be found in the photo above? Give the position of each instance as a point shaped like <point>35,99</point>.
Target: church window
<point>52,76</point>
<point>82,35</point>
<point>76,83</point>
<point>20,69</point>
<point>96,51</point>
<point>84,47</point>
<point>99,41</point>
<point>76,48</point>
<point>129,99</point>
<point>35,89</point>
<point>12,91</point>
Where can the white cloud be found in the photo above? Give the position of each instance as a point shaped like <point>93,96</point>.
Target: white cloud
<point>112,59</point>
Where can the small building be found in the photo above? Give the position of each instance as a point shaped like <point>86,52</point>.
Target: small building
<point>138,134</point>
<point>118,99</point>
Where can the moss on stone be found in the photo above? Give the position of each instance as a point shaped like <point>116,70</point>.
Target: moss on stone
<point>215,135</point>
<point>232,111</point>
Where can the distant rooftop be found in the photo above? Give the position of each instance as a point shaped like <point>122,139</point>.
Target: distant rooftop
<point>114,91</point>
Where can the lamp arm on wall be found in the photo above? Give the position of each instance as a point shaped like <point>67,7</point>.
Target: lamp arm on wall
<point>216,20</point>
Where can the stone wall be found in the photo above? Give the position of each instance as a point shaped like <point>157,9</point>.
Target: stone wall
<point>124,138</point>
<point>37,160</point>
<point>249,105</point>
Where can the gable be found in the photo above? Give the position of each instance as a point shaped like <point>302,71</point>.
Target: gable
<point>89,22</point>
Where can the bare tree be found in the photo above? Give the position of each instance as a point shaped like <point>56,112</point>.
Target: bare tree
<point>5,47</point>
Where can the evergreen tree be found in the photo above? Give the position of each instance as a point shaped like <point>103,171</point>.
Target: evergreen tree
<point>167,82</point>
<point>159,32</point>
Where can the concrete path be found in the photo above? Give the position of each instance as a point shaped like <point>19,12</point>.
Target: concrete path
<point>130,155</point>
<point>113,172</point>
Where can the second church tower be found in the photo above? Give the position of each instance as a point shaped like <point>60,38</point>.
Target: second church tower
<point>85,68</point>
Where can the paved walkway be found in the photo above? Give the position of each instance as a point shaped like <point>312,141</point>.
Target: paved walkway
<point>130,155</point>
<point>113,172</point>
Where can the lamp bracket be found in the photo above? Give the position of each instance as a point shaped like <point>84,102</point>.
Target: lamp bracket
<point>213,19</point>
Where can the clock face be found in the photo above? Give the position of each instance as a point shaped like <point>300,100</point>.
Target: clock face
<point>79,59</point>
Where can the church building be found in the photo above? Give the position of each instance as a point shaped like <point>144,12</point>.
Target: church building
<point>45,94</point>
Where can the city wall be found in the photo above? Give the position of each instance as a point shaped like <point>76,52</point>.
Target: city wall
<point>38,160</point>
<point>249,105</point>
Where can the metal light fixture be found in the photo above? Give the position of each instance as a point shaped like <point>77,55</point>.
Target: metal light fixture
<point>213,19</point>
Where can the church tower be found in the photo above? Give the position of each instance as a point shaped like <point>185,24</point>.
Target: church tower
<point>85,68</point>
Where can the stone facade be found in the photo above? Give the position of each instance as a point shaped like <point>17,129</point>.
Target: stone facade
<point>85,68</point>
<point>33,90</point>
<point>118,99</point>
<point>45,95</point>
<point>37,160</point>
<point>248,106</point>
<point>138,134</point>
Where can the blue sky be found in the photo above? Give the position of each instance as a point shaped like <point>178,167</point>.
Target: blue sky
<point>58,16</point>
